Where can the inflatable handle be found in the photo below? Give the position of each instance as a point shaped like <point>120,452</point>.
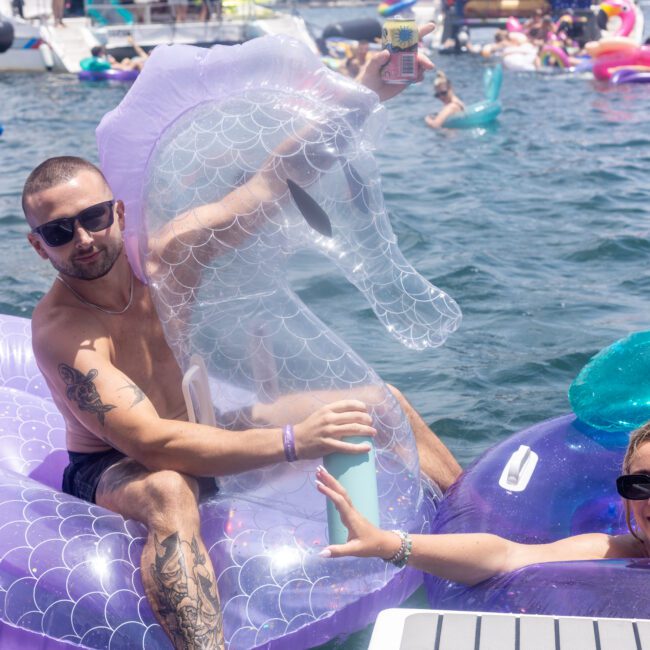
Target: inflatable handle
<point>518,470</point>
<point>196,378</point>
<point>358,476</point>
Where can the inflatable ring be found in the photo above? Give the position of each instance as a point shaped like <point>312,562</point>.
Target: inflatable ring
<point>628,76</point>
<point>565,486</point>
<point>107,75</point>
<point>611,45</point>
<point>390,9</point>
<point>604,66</point>
<point>554,56</point>
<point>481,113</point>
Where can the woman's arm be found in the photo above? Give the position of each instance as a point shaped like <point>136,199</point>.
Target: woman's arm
<point>446,112</point>
<point>468,558</point>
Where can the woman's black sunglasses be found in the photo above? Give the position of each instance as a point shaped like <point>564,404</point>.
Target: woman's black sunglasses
<point>634,486</point>
<point>92,219</point>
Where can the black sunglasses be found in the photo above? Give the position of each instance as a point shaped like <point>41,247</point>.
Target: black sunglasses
<point>440,93</point>
<point>92,219</point>
<point>635,487</point>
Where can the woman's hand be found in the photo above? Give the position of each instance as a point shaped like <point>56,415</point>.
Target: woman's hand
<point>370,75</point>
<point>364,539</point>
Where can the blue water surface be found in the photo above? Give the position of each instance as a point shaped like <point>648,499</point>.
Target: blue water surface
<point>538,227</point>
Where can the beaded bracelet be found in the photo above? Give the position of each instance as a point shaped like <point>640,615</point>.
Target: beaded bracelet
<point>401,557</point>
<point>289,443</point>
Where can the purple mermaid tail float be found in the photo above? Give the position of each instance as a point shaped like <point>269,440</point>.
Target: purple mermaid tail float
<point>70,570</point>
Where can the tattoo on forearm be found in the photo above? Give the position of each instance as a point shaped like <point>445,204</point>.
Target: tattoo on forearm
<point>138,394</point>
<point>81,389</point>
<point>187,594</point>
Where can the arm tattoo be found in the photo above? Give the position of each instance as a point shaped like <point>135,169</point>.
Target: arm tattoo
<point>186,594</point>
<point>81,389</point>
<point>138,394</point>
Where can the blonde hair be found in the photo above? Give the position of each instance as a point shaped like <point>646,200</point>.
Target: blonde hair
<point>637,438</point>
<point>441,81</point>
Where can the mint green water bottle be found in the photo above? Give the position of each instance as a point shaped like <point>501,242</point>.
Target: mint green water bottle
<point>357,474</point>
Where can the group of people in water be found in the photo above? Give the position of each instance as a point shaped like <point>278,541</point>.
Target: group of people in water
<point>566,36</point>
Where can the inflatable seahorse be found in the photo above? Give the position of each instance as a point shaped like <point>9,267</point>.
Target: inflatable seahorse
<point>228,161</point>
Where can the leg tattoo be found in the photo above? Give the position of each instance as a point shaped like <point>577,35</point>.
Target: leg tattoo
<point>186,594</point>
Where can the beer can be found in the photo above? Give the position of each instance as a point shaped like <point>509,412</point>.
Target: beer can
<point>400,37</point>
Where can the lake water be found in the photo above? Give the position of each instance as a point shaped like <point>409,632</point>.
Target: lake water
<point>537,227</point>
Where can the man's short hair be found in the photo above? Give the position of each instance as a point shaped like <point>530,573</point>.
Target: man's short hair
<point>53,172</point>
<point>97,50</point>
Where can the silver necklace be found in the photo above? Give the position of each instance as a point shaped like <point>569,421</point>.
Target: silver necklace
<point>92,304</point>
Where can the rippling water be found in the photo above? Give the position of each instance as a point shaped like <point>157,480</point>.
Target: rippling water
<point>537,227</point>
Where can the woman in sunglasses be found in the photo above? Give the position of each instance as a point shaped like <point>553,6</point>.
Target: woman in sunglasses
<point>470,558</point>
<point>443,91</point>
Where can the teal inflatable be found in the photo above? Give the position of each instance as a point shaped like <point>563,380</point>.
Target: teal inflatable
<point>94,64</point>
<point>484,112</point>
<point>612,392</point>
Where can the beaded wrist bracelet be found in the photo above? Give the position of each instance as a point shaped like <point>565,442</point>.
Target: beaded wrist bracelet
<point>289,443</point>
<point>401,557</point>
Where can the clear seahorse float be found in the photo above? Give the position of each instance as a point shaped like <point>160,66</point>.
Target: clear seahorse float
<point>284,148</point>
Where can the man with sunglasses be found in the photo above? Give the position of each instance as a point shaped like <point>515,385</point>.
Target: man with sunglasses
<point>100,345</point>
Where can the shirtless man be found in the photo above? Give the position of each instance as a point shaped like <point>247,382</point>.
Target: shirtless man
<point>100,345</point>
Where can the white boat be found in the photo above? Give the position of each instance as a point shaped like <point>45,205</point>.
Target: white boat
<point>38,45</point>
<point>27,50</point>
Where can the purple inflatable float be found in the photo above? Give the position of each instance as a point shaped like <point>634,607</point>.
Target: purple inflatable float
<point>108,75</point>
<point>563,484</point>
<point>69,570</point>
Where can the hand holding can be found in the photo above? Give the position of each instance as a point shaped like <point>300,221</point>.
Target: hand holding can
<point>400,37</point>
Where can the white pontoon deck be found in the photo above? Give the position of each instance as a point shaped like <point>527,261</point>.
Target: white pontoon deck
<point>418,629</point>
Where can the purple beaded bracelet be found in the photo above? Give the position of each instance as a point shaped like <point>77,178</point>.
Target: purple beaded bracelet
<point>289,443</point>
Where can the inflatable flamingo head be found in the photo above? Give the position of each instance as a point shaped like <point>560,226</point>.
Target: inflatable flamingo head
<point>617,17</point>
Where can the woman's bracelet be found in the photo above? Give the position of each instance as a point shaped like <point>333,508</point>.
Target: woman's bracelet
<point>401,557</point>
<point>289,443</point>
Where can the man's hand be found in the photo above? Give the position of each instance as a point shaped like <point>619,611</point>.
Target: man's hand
<point>370,75</point>
<point>320,434</point>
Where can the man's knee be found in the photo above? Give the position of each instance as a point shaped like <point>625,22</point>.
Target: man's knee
<point>172,500</point>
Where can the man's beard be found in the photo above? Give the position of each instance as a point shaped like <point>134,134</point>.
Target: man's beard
<point>92,271</point>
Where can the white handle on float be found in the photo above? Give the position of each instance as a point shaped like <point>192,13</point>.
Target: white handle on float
<point>518,470</point>
<point>196,378</point>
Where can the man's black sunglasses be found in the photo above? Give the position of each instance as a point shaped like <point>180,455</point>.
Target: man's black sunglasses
<point>92,219</point>
<point>634,486</point>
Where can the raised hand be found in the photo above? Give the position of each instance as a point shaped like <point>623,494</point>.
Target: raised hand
<point>370,75</point>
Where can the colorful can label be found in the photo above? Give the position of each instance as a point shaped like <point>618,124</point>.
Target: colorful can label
<point>400,37</point>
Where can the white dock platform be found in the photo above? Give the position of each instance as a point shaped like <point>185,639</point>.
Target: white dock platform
<point>421,629</point>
